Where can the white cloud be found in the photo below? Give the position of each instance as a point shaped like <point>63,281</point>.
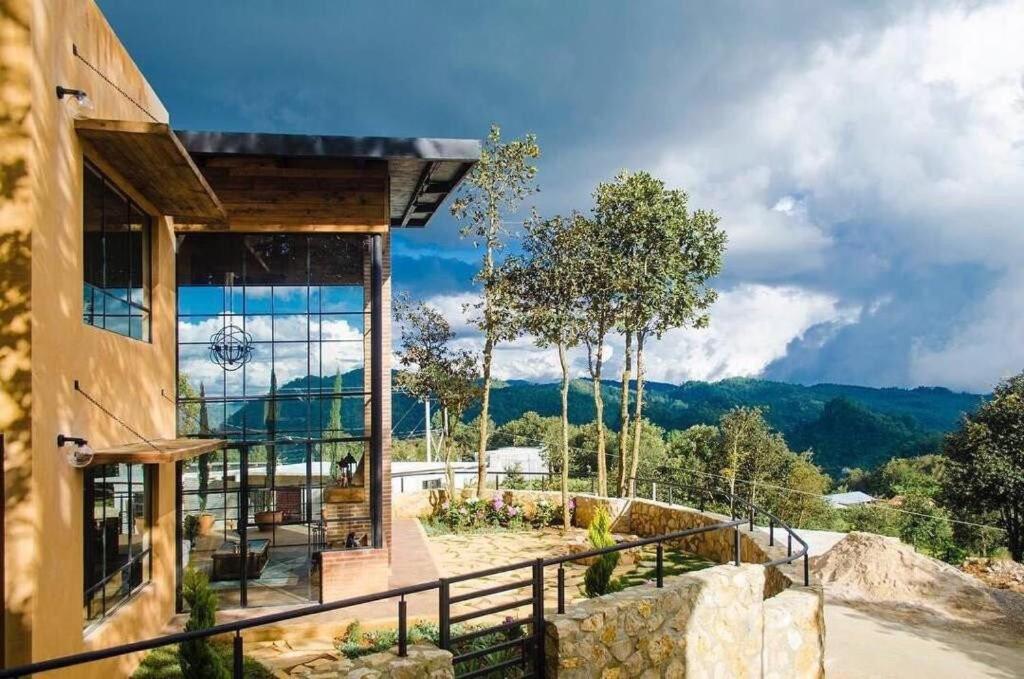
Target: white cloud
<point>751,326</point>
<point>884,151</point>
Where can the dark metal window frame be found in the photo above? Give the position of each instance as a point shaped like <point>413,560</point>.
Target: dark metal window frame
<point>134,558</point>
<point>239,499</point>
<point>144,310</point>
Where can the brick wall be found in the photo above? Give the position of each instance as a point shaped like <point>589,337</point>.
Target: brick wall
<point>346,573</point>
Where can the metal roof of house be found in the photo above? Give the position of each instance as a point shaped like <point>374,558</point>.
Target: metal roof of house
<point>855,497</point>
<point>422,171</point>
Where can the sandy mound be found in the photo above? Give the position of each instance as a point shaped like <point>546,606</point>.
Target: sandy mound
<point>879,570</point>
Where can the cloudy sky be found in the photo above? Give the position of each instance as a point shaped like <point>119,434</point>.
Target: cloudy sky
<point>867,161</point>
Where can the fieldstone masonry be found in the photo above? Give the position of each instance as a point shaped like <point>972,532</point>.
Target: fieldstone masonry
<point>712,623</point>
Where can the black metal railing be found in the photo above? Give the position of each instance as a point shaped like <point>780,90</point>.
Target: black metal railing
<point>527,650</point>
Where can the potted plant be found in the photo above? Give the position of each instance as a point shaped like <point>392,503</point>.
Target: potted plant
<point>265,517</point>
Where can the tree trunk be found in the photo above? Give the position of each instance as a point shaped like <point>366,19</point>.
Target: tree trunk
<point>595,375</point>
<point>638,413</point>
<point>446,450</point>
<point>627,369</point>
<point>563,359</point>
<point>485,401</point>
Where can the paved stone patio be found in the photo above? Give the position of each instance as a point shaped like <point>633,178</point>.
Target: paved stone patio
<point>416,560</point>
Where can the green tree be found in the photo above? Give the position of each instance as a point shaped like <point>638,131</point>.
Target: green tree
<point>985,472</point>
<point>270,413</point>
<point>743,431</point>
<point>495,188</point>
<point>197,657</point>
<point>203,491</point>
<point>188,407</point>
<point>530,429</point>
<point>595,256</point>
<point>433,368</point>
<point>926,526</point>
<point>546,286</point>
<point>801,505</point>
<point>335,449</point>
<point>597,580</point>
<point>665,257</point>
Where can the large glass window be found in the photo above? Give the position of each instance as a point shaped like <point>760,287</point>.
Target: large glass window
<point>118,516</point>
<point>298,403</point>
<point>117,259</point>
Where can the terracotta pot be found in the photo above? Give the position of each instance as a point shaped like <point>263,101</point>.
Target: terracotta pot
<point>267,520</point>
<point>205,524</point>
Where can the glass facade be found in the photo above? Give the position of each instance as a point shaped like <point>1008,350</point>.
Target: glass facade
<point>295,405</point>
<point>118,516</point>
<point>116,288</point>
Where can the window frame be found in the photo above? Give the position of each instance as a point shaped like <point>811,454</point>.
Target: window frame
<point>136,311</point>
<point>143,558</point>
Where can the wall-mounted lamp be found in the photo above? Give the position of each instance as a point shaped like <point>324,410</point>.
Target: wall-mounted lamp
<point>81,98</point>
<point>80,454</point>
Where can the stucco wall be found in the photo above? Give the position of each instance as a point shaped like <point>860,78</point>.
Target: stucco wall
<point>46,346</point>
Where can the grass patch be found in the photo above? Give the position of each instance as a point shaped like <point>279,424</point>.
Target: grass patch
<point>675,563</point>
<point>162,663</point>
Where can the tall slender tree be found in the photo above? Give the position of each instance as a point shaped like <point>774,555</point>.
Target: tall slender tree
<point>335,449</point>
<point>494,189</point>
<point>665,258</point>
<point>546,284</point>
<point>433,368</point>
<point>270,411</point>
<point>204,460</point>
<point>595,255</point>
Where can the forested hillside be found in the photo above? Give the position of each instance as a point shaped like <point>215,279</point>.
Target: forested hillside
<point>845,426</point>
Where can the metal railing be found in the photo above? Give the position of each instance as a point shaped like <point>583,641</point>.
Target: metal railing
<point>531,656</point>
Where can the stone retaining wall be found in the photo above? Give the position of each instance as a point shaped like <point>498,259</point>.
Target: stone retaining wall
<point>711,623</point>
<point>423,662</point>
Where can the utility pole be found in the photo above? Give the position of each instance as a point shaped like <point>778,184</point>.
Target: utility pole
<point>426,405</point>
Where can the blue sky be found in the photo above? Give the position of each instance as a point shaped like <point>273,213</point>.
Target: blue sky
<point>867,159</point>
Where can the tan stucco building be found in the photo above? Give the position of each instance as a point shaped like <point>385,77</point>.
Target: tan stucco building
<point>123,246</point>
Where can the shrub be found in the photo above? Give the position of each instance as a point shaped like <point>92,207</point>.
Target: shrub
<point>198,658</point>
<point>598,578</point>
<point>190,527</point>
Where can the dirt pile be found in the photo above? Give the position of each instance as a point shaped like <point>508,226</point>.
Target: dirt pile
<point>880,570</point>
<point>998,573</point>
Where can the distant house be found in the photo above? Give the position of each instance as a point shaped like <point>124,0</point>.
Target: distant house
<point>529,459</point>
<point>844,500</point>
<point>409,477</point>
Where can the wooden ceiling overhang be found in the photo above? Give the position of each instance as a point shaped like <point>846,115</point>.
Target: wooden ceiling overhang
<point>156,452</point>
<point>152,159</point>
<point>276,182</point>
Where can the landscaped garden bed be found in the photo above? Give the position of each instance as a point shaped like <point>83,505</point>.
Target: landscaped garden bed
<point>498,514</point>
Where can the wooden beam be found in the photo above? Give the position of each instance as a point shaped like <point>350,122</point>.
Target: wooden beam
<point>410,208</point>
<point>162,451</point>
<point>152,160</point>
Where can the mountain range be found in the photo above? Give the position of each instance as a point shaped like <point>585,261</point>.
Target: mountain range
<point>843,425</point>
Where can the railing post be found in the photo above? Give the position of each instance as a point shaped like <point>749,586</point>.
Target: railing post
<point>807,571</point>
<point>670,495</point>
<point>497,482</point>
<point>538,618</point>
<point>443,614</point>
<point>239,657</point>
<point>654,491</point>
<point>561,588</point>
<point>660,568</point>
<point>751,519</point>
<point>789,543</point>
<point>403,641</point>
<point>771,532</point>
<point>401,484</point>
<point>736,545</point>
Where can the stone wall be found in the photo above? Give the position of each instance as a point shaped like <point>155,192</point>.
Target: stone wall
<point>794,634</point>
<point>422,662</point>
<point>648,518</point>
<point>711,623</point>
